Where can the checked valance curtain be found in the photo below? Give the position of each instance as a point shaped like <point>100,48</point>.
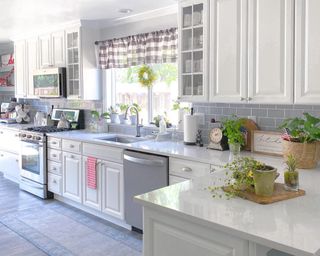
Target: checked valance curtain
<point>154,47</point>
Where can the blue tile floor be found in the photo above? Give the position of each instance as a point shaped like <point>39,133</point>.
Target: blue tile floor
<point>31,226</point>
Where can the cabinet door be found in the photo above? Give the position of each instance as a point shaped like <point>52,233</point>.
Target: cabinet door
<point>91,197</point>
<point>112,189</point>
<point>72,182</point>
<point>45,53</point>
<point>9,165</point>
<point>193,53</point>
<point>33,63</point>
<point>228,45</point>
<point>307,52</point>
<point>19,68</point>
<point>271,51</point>
<point>58,49</point>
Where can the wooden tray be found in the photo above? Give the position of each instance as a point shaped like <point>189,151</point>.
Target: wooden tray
<point>279,194</point>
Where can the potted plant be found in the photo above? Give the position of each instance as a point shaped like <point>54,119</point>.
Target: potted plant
<point>123,107</point>
<point>291,175</point>
<point>232,129</point>
<point>114,114</point>
<point>251,175</point>
<point>133,116</point>
<point>181,112</point>
<point>157,119</point>
<point>97,123</point>
<point>301,139</point>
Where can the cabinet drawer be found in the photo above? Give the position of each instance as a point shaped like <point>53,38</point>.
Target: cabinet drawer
<point>71,146</point>
<point>55,183</point>
<point>54,143</point>
<point>188,169</point>
<point>54,155</point>
<point>175,179</point>
<point>103,152</point>
<point>55,168</point>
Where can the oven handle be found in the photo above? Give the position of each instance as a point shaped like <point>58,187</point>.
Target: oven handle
<point>32,142</point>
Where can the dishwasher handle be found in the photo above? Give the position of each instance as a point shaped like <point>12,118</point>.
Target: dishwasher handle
<point>142,161</point>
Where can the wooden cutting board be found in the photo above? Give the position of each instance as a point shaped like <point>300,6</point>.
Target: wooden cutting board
<point>279,194</point>
<point>250,126</point>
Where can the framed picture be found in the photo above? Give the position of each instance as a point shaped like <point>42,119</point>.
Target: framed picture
<point>266,142</point>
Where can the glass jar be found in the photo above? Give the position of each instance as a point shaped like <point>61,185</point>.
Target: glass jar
<point>291,180</point>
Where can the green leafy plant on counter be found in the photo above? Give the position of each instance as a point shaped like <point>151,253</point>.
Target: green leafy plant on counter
<point>96,115</point>
<point>239,176</point>
<point>232,129</point>
<point>303,130</point>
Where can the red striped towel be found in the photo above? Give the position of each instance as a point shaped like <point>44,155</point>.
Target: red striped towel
<point>91,173</point>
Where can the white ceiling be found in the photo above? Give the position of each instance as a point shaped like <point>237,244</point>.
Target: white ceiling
<point>20,16</point>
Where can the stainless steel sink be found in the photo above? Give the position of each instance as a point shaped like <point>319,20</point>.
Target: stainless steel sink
<point>122,139</point>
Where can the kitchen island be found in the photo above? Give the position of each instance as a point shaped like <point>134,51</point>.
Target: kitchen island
<point>184,219</point>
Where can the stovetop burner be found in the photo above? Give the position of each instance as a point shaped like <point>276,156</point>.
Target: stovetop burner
<point>46,129</point>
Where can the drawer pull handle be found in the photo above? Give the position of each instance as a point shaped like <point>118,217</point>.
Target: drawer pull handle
<point>186,169</point>
<point>54,168</point>
<point>54,181</point>
<point>54,155</point>
<point>71,146</point>
<point>212,170</point>
<point>54,143</point>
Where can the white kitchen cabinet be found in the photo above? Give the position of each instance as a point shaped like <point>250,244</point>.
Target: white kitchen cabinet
<point>32,59</point>
<point>45,51</point>
<point>58,49</point>
<point>83,77</point>
<point>193,50</point>
<point>112,189</point>
<point>20,68</point>
<point>307,52</point>
<point>166,234</point>
<point>9,165</point>
<point>92,197</point>
<point>264,44</point>
<point>72,178</point>
<point>228,50</point>
<point>271,27</point>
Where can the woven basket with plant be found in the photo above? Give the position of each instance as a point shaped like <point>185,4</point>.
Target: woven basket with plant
<point>301,139</point>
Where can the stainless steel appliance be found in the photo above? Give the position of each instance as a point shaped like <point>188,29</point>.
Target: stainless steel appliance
<point>50,82</point>
<point>142,173</point>
<point>33,164</point>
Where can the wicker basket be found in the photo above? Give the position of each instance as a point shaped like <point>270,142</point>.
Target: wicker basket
<point>307,154</point>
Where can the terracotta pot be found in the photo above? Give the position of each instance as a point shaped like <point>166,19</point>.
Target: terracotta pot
<point>307,154</point>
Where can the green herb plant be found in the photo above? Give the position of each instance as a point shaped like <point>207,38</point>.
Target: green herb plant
<point>232,129</point>
<point>96,115</point>
<point>303,130</point>
<point>239,176</point>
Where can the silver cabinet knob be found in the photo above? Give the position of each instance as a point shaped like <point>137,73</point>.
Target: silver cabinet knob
<point>242,99</point>
<point>186,169</point>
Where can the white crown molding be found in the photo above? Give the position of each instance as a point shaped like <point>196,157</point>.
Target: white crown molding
<point>172,9</point>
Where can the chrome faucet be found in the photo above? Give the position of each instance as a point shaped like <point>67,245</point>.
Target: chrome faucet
<point>138,126</point>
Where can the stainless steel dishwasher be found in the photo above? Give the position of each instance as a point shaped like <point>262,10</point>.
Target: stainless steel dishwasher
<point>142,173</point>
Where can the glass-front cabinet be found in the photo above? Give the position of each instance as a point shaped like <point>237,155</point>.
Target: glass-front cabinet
<point>193,61</point>
<point>73,64</point>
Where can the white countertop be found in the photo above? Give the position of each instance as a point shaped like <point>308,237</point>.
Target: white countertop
<point>167,148</point>
<point>292,226</point>
<point>16,126</point>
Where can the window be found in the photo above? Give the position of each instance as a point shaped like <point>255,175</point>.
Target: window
<point>122,86</point>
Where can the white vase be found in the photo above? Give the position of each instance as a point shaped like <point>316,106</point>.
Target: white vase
<point>114,118</point>
<point>133,119</point>
<point>121,119</point>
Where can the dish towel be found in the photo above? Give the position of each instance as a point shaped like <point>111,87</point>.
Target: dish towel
<point>92,173</point>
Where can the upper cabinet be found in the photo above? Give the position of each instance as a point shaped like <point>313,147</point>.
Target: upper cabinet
<point>193,50</point>
<point>228,50</point>
<point>270,46</point>
<point>251,43</point>
<point>307,52</point>
<point>72,48</point>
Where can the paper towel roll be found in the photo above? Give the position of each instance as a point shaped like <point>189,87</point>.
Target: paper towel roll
<point>191,125</point>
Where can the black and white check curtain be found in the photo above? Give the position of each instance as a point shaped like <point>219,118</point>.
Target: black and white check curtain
<point>155,47</point>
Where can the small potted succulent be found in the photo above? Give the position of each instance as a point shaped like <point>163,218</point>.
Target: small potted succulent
<point>114,114</point>
<point>133,114</point>
<point>291,175</point>
<point>301,139</point>
<point>232,129</point>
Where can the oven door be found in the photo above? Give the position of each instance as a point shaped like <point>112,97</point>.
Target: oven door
<point>33,167</point>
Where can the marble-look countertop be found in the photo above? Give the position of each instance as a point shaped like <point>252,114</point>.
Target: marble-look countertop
<point>16,126</point>
<point>291,226</point>
<point>167,148</point>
